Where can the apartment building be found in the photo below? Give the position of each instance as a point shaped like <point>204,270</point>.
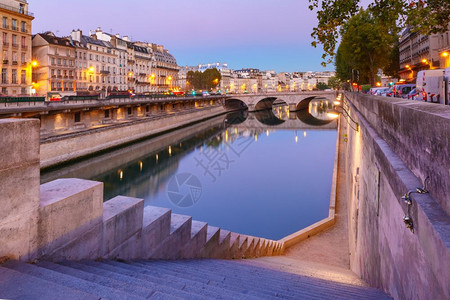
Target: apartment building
<point>417,52</point>
<point>99,68</point>
<point>55,69</point>
<point>16,63</point>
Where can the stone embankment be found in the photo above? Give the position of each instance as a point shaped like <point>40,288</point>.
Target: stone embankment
<point>399,234</point>
<point>62,148</point>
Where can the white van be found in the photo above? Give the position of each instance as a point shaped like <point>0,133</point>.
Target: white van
<point>430,86</point>
<point>447,85</point>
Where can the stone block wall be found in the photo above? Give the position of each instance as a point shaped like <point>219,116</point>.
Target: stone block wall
<point>19,187</point>
<point>383,251</point>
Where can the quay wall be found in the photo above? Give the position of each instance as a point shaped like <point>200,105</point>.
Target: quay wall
<point>399,143</point>
<point>59,149</point>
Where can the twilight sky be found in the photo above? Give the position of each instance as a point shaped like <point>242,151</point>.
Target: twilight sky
<point>264,34</point>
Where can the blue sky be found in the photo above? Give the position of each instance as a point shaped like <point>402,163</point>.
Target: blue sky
<point>265,34</point>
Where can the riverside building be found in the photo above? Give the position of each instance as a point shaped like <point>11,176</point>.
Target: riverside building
<point>16,63</point>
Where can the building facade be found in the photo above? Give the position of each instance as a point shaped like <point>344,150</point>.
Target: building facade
<point>55,69</point>
<point>16,64</point>
<point>417,52</point>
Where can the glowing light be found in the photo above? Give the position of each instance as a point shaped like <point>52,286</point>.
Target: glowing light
<point>304,133</point>
<point>407,66</point>
<point>256,137</point>
<point>226,136</point>
<point>235,130</point>
<point>157,157</point>
<point>120,174</point>
<point>91,69</point>
<point>140,165</point>
<point>130,74</point>
<point>337,102</point>
<point>445,54</point>
<point>333,115</point>
<point>267,132</point>
<point>170,150</point>
<point>34,63</point>
<point>296,139</point>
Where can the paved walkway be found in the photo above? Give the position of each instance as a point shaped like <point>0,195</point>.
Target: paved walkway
<point>331,246</point>
<point>326,255</point>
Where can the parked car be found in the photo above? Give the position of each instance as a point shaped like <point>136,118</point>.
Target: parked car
<point>382,91</point>
<point>413,94</point>
<point>388,93</point>
<point>402,90</point>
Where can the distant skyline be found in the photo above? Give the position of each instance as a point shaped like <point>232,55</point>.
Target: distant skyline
<point>263,34</point>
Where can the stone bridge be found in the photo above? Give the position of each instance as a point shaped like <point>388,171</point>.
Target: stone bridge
<point>267,120</point>
<point>295,100</point>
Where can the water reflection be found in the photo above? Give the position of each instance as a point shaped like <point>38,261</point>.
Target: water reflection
<point>266,174</point>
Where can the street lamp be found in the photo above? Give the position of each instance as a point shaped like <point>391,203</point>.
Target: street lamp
<point>430,63</point>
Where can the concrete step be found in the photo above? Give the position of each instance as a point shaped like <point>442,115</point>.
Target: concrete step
<point>174,280</point>
<point>155,228</point>
<point>249,286</point>
<point>17,285</point>
<point>68,281</point>
<point>118,275</point>
<point>283,282</point>
<point>180,234</point>
<point>130,288</point>
<point>212,242</point>
<point>306,268</point>
<point>198,239</point>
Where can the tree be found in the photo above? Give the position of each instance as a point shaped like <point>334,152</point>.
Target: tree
<point>334,83</point>
<point>426,16</point>
<point>322,86</point>
<point>204,80</point>
<point>366,47</point>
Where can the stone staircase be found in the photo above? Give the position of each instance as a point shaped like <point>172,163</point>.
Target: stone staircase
<point>173,236</point>
<point>183,279</point>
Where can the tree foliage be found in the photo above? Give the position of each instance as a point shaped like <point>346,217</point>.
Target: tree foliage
<point>426,16</point>
<point>321,86</point>
<point>207,80</point>
<point>334,83</point>
<point>367,45</point>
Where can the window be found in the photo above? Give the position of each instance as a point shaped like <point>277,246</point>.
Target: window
<point>14,57</point>
<point>23,26</point>
<point>14,76</point>
<point>22,8</point>
<point>53,60</point>
<point>23,91</point>
<point>14,40</point>
<point>64,62</point>
<point>4,76</point>
<point>77,117</point>
<point>52,72</point>
<point>23,58</point>
<point>5,56</point>
<point>23,76</point>
<point>5,38</point>
<point>14,24</point>
<point>107,113</point>
<point>23,39</point>
<point>59,61</point>
<point>5,22</point>
<point>129,111</point>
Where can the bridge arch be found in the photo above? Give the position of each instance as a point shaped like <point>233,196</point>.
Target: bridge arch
<point>235,104</point>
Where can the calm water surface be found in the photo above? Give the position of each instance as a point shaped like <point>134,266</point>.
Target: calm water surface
<point>251,178</point>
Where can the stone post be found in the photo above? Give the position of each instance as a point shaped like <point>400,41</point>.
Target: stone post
<point>19,187</point>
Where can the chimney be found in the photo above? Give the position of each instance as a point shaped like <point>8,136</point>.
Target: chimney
<point>76,35</point>
<point>126,38</point>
